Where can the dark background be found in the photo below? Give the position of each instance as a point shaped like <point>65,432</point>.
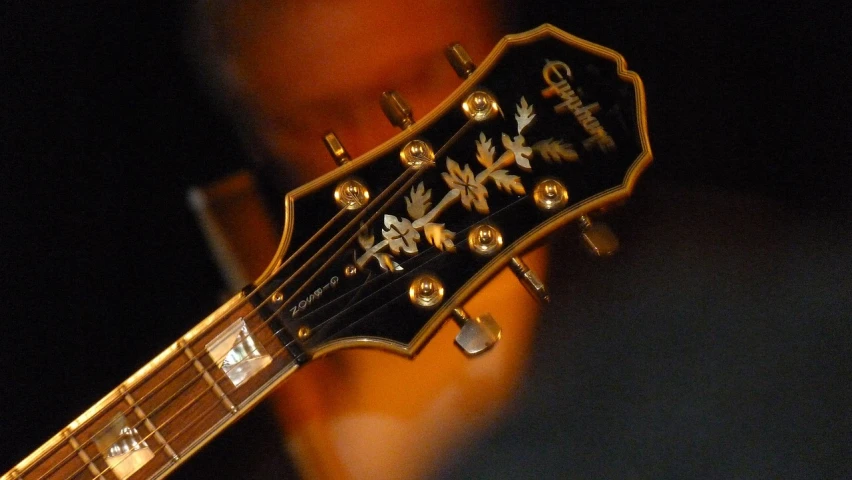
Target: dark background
<point>105,128</point>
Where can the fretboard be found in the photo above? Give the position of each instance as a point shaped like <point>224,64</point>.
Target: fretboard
<point>172,406</point>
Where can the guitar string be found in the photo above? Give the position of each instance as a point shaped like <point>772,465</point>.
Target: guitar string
<point>386,205</point>
<point>370,221</point>
<point>196,356</point>
<point>147,415</point>
<point>418,173</point>
<point>230,312</point>
<point>255,330</point>
<point>460,233</point>
<point>214,405</point>
<point>227,314</point>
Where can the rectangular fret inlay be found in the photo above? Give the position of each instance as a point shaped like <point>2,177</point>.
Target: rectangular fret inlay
<point>123,448</point>
<point>237,353</point>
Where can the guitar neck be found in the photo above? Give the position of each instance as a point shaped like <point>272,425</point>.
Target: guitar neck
<point>172,406</point>
<point>388,246</point>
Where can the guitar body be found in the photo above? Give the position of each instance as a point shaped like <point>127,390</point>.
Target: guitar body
<point>376,256</point>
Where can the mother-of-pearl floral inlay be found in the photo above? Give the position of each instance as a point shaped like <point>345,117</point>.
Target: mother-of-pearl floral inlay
<point>403,234</point>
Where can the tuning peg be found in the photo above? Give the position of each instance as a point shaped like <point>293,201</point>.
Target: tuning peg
<point>460,60</point>
<point>477,334</point>
<point>335,148</point>
<point>597,237</point>
<point>396,109</point>
<point>529,280</point>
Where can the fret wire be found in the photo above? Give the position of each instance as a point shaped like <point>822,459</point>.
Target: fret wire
<point>256,309</point>
<point>123,389</point>
<point>156,429</point>
<point>194,359</point>
<point>210,380</point>
<point>147,396</point>
<point>253,312</point>
<point>83,455</point>
<point>190,403</point>
<point>399,191</point>
<point>178,414</point>
<point>227,314</point>
<point>239,304</point>
<point>150,425</point>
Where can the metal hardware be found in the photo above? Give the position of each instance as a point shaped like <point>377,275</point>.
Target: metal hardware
<point>396,109</point>
<point>485,240</point>
<point>480,106</point>
<point>335,148</point>
<point>303,333</point>
<point>550,195</point>
<point>277,297</point>
<point>426,291</point>
<point>351,194</point>
<point>460,60</point>
<point>417,153</point>
<point>597,237</point>
<point>350,270</point>
<point>477,334</point>
<point>529,280</point>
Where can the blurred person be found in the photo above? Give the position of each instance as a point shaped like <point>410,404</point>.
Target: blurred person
<point>290,70</point>
<point>716,347</point>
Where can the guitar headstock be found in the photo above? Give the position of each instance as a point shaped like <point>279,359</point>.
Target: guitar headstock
<point>382,250</point>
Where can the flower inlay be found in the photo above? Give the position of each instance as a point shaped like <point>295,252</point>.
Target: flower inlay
<point>403,234</point>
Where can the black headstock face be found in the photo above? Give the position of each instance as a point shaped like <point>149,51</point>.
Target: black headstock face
<point>568,137</point>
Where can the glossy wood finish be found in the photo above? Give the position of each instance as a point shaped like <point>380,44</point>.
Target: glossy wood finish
<point>177,405</point>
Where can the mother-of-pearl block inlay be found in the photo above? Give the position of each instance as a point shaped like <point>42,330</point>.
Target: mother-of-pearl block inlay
<point>237,353</point>
<point>124,450</point>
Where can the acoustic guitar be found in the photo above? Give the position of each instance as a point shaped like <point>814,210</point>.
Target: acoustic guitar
<point>387,248</point>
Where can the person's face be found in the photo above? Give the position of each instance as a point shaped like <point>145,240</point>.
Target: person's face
<point>308,66</point>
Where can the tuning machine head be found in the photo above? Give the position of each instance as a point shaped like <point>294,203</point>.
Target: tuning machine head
<point>335,148</point>
<point>396,109</point>
<point>460,60</point>
<point>597,237</point>
<point>477,334</point>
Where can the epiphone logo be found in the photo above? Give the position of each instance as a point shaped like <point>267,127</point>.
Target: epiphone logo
<point>556,74</point>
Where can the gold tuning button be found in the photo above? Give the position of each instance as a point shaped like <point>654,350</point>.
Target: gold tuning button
<point>477,334</point>
<point>335,148</point>
<point>597,237</point>
<point>460,60</point>
<point>529,280</point>
<point>396,109</point>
